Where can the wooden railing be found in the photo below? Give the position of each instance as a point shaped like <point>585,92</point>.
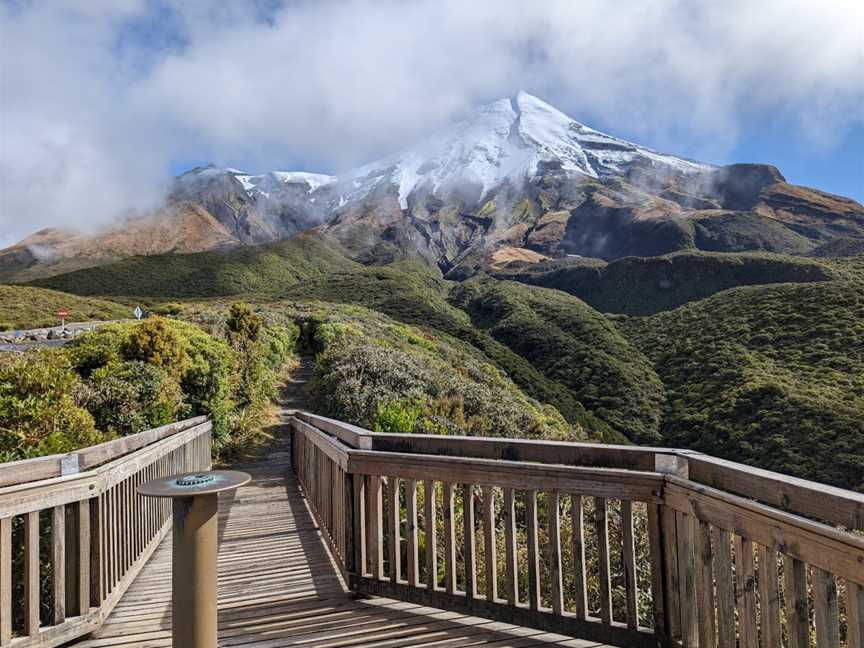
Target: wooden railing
<point>74,533</point>
<point>618,544</point>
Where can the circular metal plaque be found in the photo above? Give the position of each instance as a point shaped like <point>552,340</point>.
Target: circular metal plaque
<point>196,483</point>
<point>195,480</point>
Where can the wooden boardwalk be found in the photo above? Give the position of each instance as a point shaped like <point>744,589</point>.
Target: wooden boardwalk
<point>278,587</point>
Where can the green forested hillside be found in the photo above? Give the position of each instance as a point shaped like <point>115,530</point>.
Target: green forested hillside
<point>772,376</point>
<point>573,345</point>
<point>29,307</point>
<point>646,285</point>
<point>411,293</point>
<point>769,374</point>
<point>244,270</point>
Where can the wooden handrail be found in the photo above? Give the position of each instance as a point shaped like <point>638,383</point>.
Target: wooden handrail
<point>40,468</point>
<point>380,499</point>
<point>800,496</point>
<point>101,531</point>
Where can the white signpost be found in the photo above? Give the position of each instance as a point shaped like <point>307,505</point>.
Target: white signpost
<point>138,312</point>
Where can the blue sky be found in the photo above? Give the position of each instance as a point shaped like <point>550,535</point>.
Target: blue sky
<point>103,100</point>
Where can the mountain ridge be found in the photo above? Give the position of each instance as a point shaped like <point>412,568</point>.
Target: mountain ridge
<point>516,173</point>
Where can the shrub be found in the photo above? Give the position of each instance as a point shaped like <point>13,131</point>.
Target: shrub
<point>396,417</point>
<point>374,373</point>
<point>38,412</point>
<point>201,364</point>
<point>243,324</point>
<point>96,349</point>
<point>168,309</point>
<point>157,342</point>
<point>130,397</point>
<point>209,379</point>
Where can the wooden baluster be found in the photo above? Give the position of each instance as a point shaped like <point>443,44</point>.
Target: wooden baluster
<point>855,614</point>
<point>745,592</point>
<point>687,579</point>
<point>769,596</point>
<point>629,562</point>
<point>725,588</point>
<point>128,538</point>
<point>431,532</point>
<point>105,539</point>
<point>112,534</point>
<point>489,554</point>
<point>470,551</point>
<point>145,508</point>
<point>449,540</point>
<point>602,522</point>
<point>581,588</point>
<point>5,581</point>
<point>376,540</point>
<point>120,529</point>
<point>117,517</point>
<point>97,551</point>
<point>670,571</point>
<point>83,558</point>
<point>58,564</point>
<point>705,585</point>
<point>553,507</point>
<point>71,559</point>
<point>394,549</point>
<point>125,527</point>
<point>655,546</point>
<point>152,523</point>
<point>31,573</point>
<point>138,515</point>
<point>826,612</point>
<point>533,554</point>
<point>358,483</point>
<point>511,567</point>
<point>413,567</point>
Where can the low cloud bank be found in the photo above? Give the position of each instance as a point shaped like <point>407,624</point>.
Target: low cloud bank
<point>99,98</point>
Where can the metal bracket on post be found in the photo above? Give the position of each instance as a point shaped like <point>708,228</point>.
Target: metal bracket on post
<point>69,464</point>
<point>194,560</point>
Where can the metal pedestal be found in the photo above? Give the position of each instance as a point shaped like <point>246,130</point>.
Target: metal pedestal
<point>194,559</point>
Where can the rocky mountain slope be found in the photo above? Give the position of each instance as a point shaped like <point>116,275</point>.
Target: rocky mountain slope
<point>515,175</point>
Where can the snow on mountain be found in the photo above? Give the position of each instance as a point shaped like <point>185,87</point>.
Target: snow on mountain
<point>507,140</point>
<point>266,183</point>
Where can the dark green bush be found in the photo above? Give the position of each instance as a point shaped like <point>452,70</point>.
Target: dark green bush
<point>97,349</point>
<point>157,341</point>
<point>132,396</point>
<point>38,411</point>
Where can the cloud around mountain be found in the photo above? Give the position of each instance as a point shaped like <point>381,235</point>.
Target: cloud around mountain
<point>99,100</point>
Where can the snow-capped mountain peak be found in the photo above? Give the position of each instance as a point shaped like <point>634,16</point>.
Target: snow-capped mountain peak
<point>510,140</point>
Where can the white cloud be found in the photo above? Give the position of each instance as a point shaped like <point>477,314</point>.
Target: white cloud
<point>97,98</point>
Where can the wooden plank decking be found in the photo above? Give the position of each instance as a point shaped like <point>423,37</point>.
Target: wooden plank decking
<point>278,587</point>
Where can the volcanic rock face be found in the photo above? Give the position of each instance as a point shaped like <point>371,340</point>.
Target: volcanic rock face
<point>516,174</point>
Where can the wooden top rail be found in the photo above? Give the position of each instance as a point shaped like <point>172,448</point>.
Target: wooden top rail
<point>40,468</point>
<point>800,496</point>
<point>37,495</point>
